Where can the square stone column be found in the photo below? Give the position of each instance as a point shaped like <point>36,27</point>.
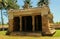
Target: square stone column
<point>10,25</point>
<point>33,23</point>
<point>45,27</point>
<point>36,22</point>
<point>10,29</point>
<point>20,23</point>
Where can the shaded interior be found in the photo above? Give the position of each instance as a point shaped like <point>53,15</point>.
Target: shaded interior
<point>16,24</point>
<point>38,23</point>
<point>27,23</point>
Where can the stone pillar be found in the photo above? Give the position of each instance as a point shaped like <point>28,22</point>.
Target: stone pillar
<point>37,22</point>
<point>10,29</point>
<point>33,23</point>
<point>45,25</point>
<point>10,25</point>
<point>20,23</point>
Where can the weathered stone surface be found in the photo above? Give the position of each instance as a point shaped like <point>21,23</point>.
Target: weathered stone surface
<point>46,19</point>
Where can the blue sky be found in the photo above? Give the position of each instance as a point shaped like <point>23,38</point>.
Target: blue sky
<point>54,8</point>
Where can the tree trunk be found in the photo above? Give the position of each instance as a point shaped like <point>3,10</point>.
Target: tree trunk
<point>2,20</point>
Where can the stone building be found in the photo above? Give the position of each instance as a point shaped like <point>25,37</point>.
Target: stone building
<point>31,21</point>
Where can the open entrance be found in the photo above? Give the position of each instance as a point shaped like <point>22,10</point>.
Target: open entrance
<point>27,23</point>
<point>38,23</point>
<point>16,24</point>
<point>23,24</point>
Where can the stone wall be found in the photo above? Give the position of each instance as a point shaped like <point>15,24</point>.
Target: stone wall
<point>45,27</point>
<point>44,12</point>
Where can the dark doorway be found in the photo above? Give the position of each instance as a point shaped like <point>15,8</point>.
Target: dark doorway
<point>38,23</point>
<point>16,23</point>
<point>23,24</point>
<point>27,23</point>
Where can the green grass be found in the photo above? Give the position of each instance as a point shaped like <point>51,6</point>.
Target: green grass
<point>57,34</point>
<point>3,36</point>
<point>2,32</point>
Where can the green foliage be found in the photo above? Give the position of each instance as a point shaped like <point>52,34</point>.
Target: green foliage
<point>12,4</point>
<point>28,1</point>
<point>0,22</point>
<point>0,6</point>
<point>2,32</point>
<point>57,22</point>
<point>47,2</point>
<point>3,4</point>
<point>57,34</point>
<point>9,4</point>
<point>41,2</point>
<point>0,0</point>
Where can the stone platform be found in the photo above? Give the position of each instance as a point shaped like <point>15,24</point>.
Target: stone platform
<point>26,34</point>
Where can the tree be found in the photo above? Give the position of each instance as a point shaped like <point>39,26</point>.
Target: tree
<point>7,4</point>
<point>1,7</point>
<point>57,22</point>
<point>27,4</point>
<point>41,2</point>
<point>12,4</point>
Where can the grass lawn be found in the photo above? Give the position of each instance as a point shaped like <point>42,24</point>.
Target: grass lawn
<point>2,32</point>
<point>57,34</point>
<point>3,36</point>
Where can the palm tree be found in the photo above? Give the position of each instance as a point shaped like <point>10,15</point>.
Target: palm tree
<point>2,5</point>
<point>27,4</point>
<point>12,4</point>
<point>41,2</point>
<point>7,4</point>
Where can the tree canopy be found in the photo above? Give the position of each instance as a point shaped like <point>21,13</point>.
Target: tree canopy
<point>41,2</point>
<point>9,4</point>
<point>28,1</point>
<point>12,4</point>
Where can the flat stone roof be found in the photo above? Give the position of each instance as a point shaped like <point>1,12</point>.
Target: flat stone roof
<point>30,11</point>
<point>37,9</point>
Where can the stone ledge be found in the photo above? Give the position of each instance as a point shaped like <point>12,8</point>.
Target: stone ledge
<point>26,34</point>
<point>51,33</point>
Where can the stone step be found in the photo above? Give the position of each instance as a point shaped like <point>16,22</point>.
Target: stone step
<point>52,31</point>
<point>25,34</point>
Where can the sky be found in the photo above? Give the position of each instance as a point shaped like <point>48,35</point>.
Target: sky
<point>54,8</point>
